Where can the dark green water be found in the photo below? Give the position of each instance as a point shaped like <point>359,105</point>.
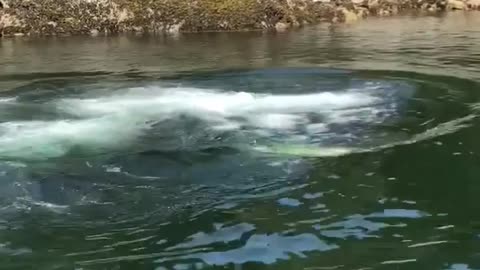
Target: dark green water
<point>352,147</point>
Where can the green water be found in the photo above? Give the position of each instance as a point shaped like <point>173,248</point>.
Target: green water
<point>346,147</point>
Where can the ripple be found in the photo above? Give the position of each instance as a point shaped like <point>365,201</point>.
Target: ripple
<point>426,244</point>
<point>289,202</point>
<point>212,169</point>
<point>221,235</point>
<point>263,248</point>
<point>398,213</point>
<point>399,261</point>
<point>459,266</point>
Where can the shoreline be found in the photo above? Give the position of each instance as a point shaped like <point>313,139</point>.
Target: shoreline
<point>107,17</point>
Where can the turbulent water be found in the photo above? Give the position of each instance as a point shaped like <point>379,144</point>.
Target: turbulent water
<point>345,147</point>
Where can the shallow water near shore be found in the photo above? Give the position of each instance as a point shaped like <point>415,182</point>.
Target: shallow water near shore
<point>344,147</point>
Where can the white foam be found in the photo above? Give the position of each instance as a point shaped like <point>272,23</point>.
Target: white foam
<point>306,150</point>
<point>276,120</point>
<point>316,128</point>
<point>7,100</point>
<point>108,122</point>
<point>222,109</point>
<point>44,139</point>
<point>198,102</point>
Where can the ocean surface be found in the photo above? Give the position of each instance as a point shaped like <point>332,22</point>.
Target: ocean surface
<point>322,148</point>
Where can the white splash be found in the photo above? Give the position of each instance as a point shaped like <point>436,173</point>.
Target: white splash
<point>307,150</point>
<point>193,100</point>
<point>7,100</point>
<point>116,121</point>
<point>46,139</point>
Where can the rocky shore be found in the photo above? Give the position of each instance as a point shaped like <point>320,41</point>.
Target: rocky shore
<point>99,17</point>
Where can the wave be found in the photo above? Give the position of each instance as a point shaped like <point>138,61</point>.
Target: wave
<point>321,151</point>
<point>118,120</point>
<point>301,124</point>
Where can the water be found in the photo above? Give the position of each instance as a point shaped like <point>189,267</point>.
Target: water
<point>352,147</point>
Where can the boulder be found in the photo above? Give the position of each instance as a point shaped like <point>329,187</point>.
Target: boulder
<point>280,26</point>
<point>348,15</point>
<point>456,5</point>
<point>473,4</point>
<point>9,24</point>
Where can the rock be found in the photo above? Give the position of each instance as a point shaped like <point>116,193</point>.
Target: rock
<point>359,2</point>
<point>384,12</point>
<point>456,5</point>
<point>373,3</point>
<point>473,4</point>
<point>280,26</point>
<point>137,29</point>
<point>48,17</point>
<point>349,16</point>
<point>432,8</point>
<point>94,32</point>
<point>3,4</point>
<point>122,15</point>
<point>8,22</point>
<point>174,28</point>
<point>362,12</point>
